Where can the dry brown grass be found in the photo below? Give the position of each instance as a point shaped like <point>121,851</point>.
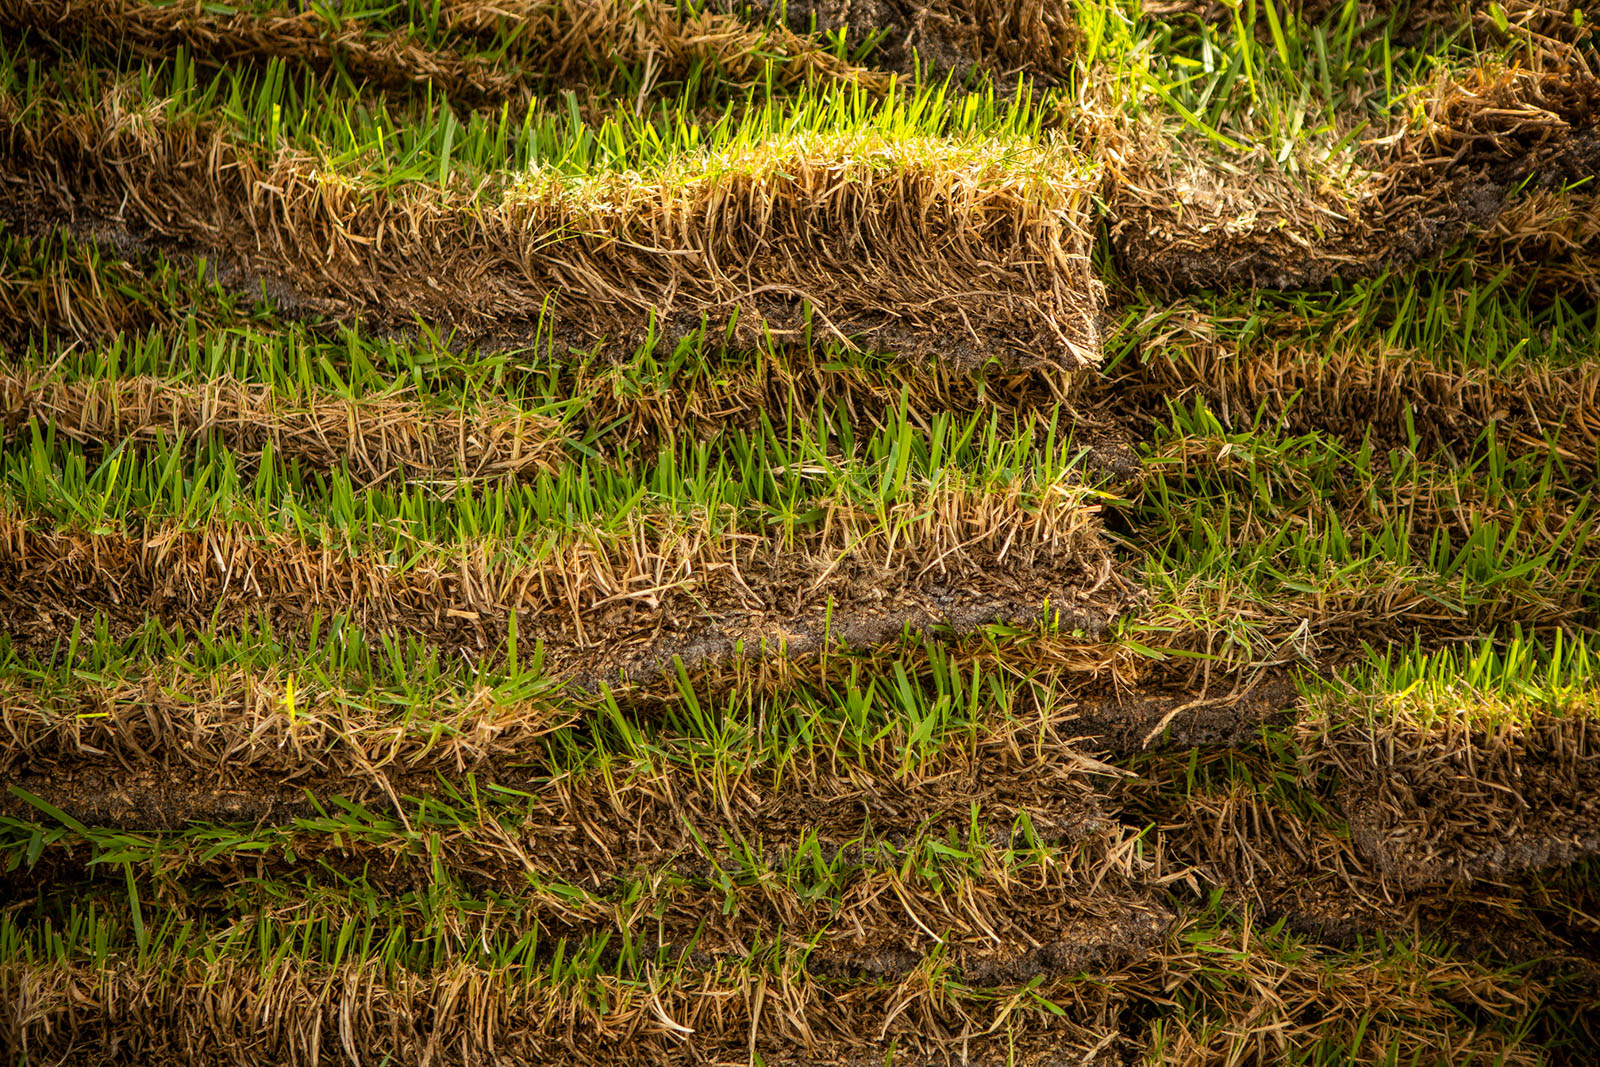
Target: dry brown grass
<point>225,726</point>
<point>1461,796</point>
<point>1179,220</point>
<point>625,601</point>
<point>954,250</point>
<point>994,923</point>
<point>375,437</point>
<point>607,399</point>
<point>1011,39</point>
<point>155,30</point>
<point>581,44</point>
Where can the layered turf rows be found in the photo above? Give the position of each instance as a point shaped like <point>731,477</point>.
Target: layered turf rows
<point>836,534</point>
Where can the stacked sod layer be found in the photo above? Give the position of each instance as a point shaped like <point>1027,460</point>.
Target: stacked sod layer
<point>1424,382</point>
<point>488,52</point>
<point>434,682</point>
<point>638,853</point>
<point>479,53</point>
<point>1008,39</point>
<point>898,240</point>
<point>1505,152</point>
<point>621,601</point>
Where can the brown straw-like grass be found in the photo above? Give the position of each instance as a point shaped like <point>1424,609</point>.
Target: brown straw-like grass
<point>577,44</point>
<point>1478,143</point>
<point>963,252</point>
<point>624,601</point>
<point>373,437</point>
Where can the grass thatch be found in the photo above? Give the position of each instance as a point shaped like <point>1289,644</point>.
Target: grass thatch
<point>628,601</point>
<point>1476,144</point>
<point>227,1013</point>
<point>965,251</point>
<point>246,748</point>
<point>373,437</point>
<point>592,45</point>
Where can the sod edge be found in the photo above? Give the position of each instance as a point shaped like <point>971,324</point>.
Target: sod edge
<point>597,609</point>
<point>484,54</point>
<point>177,1007</point>
<point>1462,796</point>
<point>1357,388</point>
<point>962,250</point>
<point>1485,140</point>
<point>1015,41</point>
<point>373,437</point>
<point>581,824</point>
<point>993,922</point>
